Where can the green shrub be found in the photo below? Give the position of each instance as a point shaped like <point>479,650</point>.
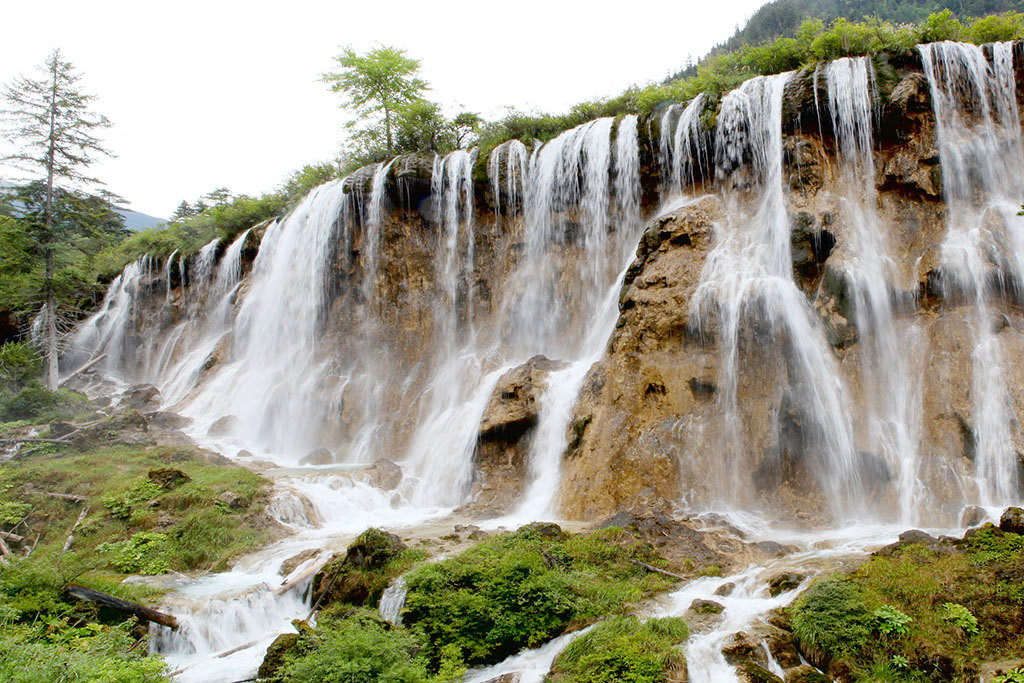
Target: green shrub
<point>1015,676</point>
<point>12,513</point>
<point>121,504</point>
<point>960,617</point>
<point>832,616</point>
<point>520,589</point>
<point>146,552</point>
<point>31,402</point>
<point>622,649</point>
<point>358,648</point>
<point>19,363</point>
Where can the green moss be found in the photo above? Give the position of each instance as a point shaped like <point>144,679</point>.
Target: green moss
<point>623,649</point>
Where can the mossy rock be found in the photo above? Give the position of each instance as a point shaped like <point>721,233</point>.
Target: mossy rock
<point>279,650</point>
<point>358,576</point>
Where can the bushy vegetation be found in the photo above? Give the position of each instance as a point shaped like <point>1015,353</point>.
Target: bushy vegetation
<point>623,650</point>
<point>920,614</point>
<point>513,591</point>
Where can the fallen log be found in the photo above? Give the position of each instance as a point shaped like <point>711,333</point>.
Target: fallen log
<point>13,538</point>
<point>85,367</point>
<point>4,550</point>
<point>138,611</point>
<point>32,439</point>
<point>644,565</point>
<point>71,534</point>
<point>65,496</point>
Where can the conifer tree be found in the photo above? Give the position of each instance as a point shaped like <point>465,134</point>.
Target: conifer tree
<point>48,118</point>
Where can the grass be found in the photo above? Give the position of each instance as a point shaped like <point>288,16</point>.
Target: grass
<point>920,615</point>
<point>623,649</point>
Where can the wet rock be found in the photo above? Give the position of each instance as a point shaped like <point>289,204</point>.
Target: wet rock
<point>546,530</point>
<point>141,397</point>
<point>384,474</point>
<point>293,562</point>
<point>988,527</point>
<point>349,577</point>
<point>1012,521</point>
<point>243,454</point>
<point>783,582</point>
<point>513,677</point>
<point>700,606</point>
<point>317,456</point>
<point>725,589</point>
<point>224,426</point>
<point>231,499</point>
<point>972,516</point>
<point>59,429</point>
<point>742,647</point>
<point>917,537</point>
<point>806,674</point>
<point>749,672</point>
<point>515,403</point>
<point>167,420</point>
<point>276,654</point>
<point>168,477</point>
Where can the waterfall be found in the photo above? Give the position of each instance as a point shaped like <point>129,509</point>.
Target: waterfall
<point>891,392</point>
<point>167,277</point>
<point>979,139</point>
<point>392,600</point>
<point>683,150</point>
<point>272,381</point>
<point>747,284</point>
<point>452,191</point>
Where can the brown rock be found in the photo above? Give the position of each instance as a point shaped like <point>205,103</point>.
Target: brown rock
<point>168,477</point>
<point>224,426</point>
<point>806,674</point>
<point>292,563</point>
<point>1012,521</point>
<point>384,474</point>
<point>972,516</point>
<point>317,456</point>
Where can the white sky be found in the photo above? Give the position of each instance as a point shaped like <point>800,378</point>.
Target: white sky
<point>215,93</point>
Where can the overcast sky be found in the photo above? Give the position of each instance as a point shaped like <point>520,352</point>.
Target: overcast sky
<point>210,94</point>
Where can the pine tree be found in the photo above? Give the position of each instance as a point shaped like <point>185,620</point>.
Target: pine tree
<point>49,120</point>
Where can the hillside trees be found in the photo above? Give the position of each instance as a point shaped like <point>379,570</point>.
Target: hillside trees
<point>49,120</point>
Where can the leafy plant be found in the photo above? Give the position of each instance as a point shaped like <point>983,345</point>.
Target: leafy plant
<point>121,504</point>
<point>146,552</point>
<point>891,622</point>
<point>1014,676</point>
<point>960,617</point>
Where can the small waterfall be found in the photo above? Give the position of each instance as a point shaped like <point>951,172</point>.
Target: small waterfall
<point>747,284</point>
<point>452,190</point>
<point>105,331</point>
<point>272,383</point>
<point>891,392</point>
<point>167,277</point>
<point>979,136</point>
<point>684,155</point>
<point>508,161</point>
<point>392,600</point>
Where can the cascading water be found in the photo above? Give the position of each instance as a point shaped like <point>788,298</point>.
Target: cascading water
<point>683,149</point>
<point>891,391</point>
<point>980,148</point>
<point>747,283</point>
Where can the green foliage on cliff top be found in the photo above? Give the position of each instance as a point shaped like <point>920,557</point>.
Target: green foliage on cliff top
<point>920,614</point>
<point>623,649</point>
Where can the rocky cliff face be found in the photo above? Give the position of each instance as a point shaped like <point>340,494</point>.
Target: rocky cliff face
<point>682,407</point>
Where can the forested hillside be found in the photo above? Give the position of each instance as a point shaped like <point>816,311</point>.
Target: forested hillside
<point>783,17</point>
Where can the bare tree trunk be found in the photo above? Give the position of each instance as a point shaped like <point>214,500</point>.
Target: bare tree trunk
<point>387,128</point>
<point>52,368</point>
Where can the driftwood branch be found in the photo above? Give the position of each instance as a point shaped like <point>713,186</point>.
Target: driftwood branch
<point>4,550</point>
<point>33,439</point>
<point>71,534</point>
<point>13,538</point>
<point>85,367</point>
<point>138,611</point>
<point>64,496</point>
<point>644,565</point>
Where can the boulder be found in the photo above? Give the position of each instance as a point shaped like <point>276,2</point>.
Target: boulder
<point>972,516</point>
<point>513,677</point>
<point>231,499</point>
<point>168,477</point>
<point>243,454</point>
<point>784,582</point>
<point>59,429</point>
<point>292,563</point>
<point>515,403</point>
<point>167,420</point>
<point>317,456</point>
<point>276,653</point>
<point>384,474</point>
<point>749,672</point>
<point>224,426</point>
<point>350,577</point>
<point>806,674</point>
<point>725,589</point>
<point>1012,521</point>
<point>141,397</point>
<point>700,606</point>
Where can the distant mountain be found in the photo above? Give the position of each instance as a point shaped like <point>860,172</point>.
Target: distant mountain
<point>135,221</point>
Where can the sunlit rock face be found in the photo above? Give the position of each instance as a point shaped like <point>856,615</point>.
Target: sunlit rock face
<point>809,308</point>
